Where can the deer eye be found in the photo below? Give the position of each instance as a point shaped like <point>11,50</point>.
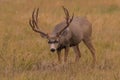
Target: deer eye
<point>50,42</point>
<point>55,41</point>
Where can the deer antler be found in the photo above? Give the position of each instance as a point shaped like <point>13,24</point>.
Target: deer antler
<point>34,23</point>
<point>68,19</point>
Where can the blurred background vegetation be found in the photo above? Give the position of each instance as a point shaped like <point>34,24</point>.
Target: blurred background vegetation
<point>24,55</point>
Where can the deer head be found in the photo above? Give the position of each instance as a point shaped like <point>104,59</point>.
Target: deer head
<point>53,40</point>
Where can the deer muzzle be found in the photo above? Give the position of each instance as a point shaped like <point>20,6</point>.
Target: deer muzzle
<point>52,47</point>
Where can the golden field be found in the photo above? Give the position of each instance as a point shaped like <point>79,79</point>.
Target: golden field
<point>24,55</point>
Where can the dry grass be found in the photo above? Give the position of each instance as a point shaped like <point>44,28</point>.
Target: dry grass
<point>25,56</point>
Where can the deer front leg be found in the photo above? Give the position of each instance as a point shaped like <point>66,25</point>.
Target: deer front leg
<point>59,56</point>
<point>77,52</point>
<point>66,54</point>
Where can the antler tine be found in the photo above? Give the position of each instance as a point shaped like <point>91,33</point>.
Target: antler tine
<point>71,18</point>
<point>30,22</point>
<point>33,13</point>
<point>66,13</point>
<point>37,15</point>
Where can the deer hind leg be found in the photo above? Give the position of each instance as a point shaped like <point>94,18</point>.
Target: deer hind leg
<point>66,54</point>
<point>88,43</point>
<point>77,53</point>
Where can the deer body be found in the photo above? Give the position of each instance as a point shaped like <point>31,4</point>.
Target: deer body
<point>66,34</point>
<point>79,29</point>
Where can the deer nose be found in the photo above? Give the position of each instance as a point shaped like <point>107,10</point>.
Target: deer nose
<point>52,50</point>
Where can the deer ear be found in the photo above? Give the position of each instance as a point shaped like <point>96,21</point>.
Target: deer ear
<point>57,35</point>
<point>44,36</point>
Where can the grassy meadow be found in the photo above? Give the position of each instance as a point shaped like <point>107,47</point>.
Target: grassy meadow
<point>24,55</point>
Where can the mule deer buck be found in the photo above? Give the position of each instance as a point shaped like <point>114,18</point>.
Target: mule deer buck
<point>68,33</point>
